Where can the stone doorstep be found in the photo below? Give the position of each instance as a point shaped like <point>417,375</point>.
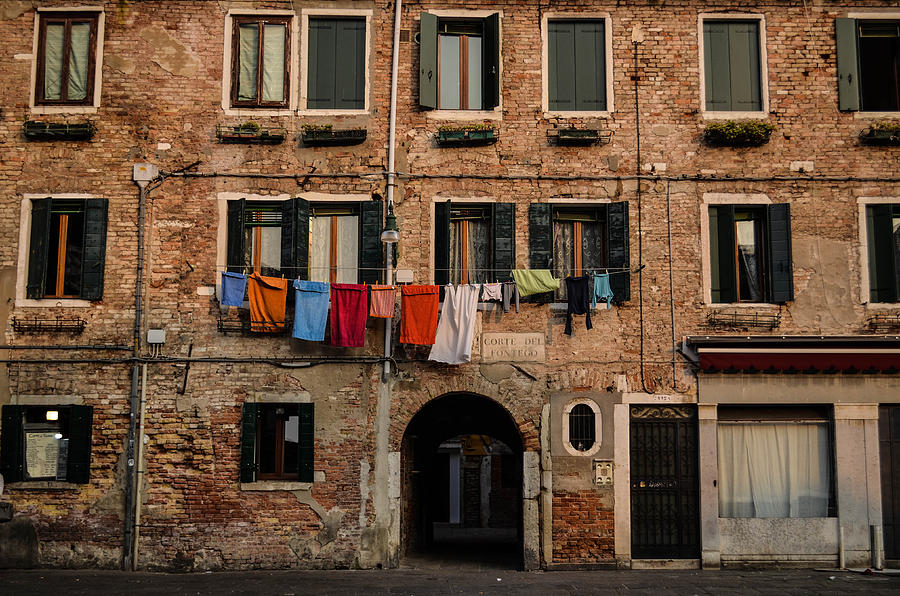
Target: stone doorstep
<point>665,564</point>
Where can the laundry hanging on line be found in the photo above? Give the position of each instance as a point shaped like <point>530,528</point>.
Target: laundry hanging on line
<point>268,300</point>
<point>534,281</point>
<point>602,291</point>
<point>311,309</point>
<point>491,292</point>
<point>234,286</point>
<point>579,291</point>
<point>510,293</point>
<point>418,314</point>
<point>456,327</point>
<point>348,315</point>
<point>382,300</point>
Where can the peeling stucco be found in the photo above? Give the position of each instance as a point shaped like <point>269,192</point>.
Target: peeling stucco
<point>169,53</point>
<point>123,65</point>
<point>11,9</point>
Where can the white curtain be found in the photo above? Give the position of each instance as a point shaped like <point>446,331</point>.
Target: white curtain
<point>273,62</point>
<point>53,59</point>
<point>319,248</point>
<point>749,259</point>
<point>348,249</point>
<point>773,470</point>
<point>78,60</point>
<point>248,47</point>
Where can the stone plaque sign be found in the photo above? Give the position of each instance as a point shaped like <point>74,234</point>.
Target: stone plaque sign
<point>512,347</point>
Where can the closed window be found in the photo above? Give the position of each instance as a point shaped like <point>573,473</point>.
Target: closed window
<point>459,63</point>
<point>576,56</point>
<point>277,442</point>
<point>46,443</point>
<point>750,253</point>
<point>868,65</point>
<point>337,63</point>
<point>731,66</point>
<point>260,55</point>
<point>67,249</point>
<point>66,60</point>
<point>474,243</point>
<point>334,243</point>
<point>774,462</point>
<point>883,238</point>
<point>581,427</point>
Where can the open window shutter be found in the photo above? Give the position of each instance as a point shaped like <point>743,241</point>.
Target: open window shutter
<point>721,253</point>
<point>234,255</point>
<point>503,222</point>
<point>882,277</point>
<point>94,264</point>
<point>295,238</point>
<point>38,248</point>
<point>590,66</point>
<point>442,243</point>
<point>249,416</point>
<point>540,235</point>
<point>618,255</point>
<point>371,251</point>
<point>847,65</point>
<point>428,56</point>
<point>12,443</point>
<point>78,464</point>
<point>350,55</point>
<point>716,65</point>
<point>490,69</point>
<point>561,65</point>
<point>743,41</point>
<point>306,445</point>
<point>322,71</point>
<point>781,272</point>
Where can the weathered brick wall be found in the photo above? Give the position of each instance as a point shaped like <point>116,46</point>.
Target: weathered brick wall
<point>582,528</point>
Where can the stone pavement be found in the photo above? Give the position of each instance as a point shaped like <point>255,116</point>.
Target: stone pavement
<point>445,581</point>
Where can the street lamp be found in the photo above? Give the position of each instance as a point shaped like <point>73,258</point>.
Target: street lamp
<point>390,235</point>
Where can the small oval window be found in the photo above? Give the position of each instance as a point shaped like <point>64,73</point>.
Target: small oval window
<point>582,427</point>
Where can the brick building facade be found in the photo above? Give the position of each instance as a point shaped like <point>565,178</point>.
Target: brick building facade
<point>755,286</point>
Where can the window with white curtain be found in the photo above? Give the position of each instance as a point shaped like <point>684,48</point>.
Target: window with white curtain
<point>67,46</point>
<point>470,244</point>
<point>774,463</point>
<point>260,52</point>
<point>333,244</point>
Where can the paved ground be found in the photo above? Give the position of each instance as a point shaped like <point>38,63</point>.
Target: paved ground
<point>446,581</point>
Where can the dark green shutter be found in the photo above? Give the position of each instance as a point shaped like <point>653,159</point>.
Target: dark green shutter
<point>371,250</point>
<point>306,445</point>
<point>716,79</point>
<point>78,464</point>
<point>590,66</point>
<point>561,65</point>
<point>249,416</point>
<point>350,51</point>
<point>503,222</point>
<point>234,255</point>
<point>882,254</point>
<point>743,39</point>
<point>12,443</point>
<point>490,56</point>
<point>442,243</point>
<point>721,253</point>
<point>781,271</point>
<point>428,56</point>
<point>322,71</point>
<point>847,64</point>
<point>295,238</point>
<point>95,220</point>
<point>38,248</point>
<point>618,256</point>
<point>540,235</point>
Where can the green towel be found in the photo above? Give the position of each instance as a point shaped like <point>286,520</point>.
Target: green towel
<point>534,281</point>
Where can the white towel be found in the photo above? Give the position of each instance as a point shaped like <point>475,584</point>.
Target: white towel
<point>456,327</point>
<point>491,292</point>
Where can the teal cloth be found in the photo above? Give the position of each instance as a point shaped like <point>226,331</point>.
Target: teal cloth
<point>602,291</point>
<point>534,281</point>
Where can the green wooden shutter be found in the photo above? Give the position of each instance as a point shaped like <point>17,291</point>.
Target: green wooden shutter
<point>78,464</point>
<point>295,238</point>
<point>322,70</point>
<point>618,255</point>
<point>781,271</point>
<point>38,248</point>
<point>428,56</point>
<point>371,250</point>
<point>503,223</point>
<point>490,56</point>
<point>540,235</point>
<point>882,254</point>
<point>722,253</point>
<point>590,66</point>
<point>717,78</point>
<point>249,416</point>
<point>743,40</point>
<point>561,65</point>
<point>442,243</point>
<point>12,443</point>
<point>350,53</point>
<point>94,264</point>
<point>306,445</point>
<point>234,255</point>
<point>847,64</point>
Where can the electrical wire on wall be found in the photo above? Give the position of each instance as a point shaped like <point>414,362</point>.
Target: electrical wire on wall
<point>637,37</point>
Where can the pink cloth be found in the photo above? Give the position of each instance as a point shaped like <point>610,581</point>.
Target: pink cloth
<point>382,301</point>
<point>348,315</point>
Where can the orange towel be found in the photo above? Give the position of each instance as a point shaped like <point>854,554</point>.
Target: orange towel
<point>382,301</point>
<point>268,297</point>
<point>418,314</point>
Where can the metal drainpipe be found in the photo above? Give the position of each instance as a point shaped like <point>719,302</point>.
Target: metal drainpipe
<point>140,473</point>
<point>391,177</point>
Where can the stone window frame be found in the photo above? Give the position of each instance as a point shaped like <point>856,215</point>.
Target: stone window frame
<point>486,200</point>
<point>545,68</point>
<point>227,60</point>
<point>92,105</point>
<point>598,427</point>
<point>763,67</point>
<point>875,15</point>
<point>864,287</point>
<point>305,15</point>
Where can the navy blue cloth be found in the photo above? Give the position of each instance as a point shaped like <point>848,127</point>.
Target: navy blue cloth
<point>234,286</point>
<point>311,309</point>
<point>579,291</point>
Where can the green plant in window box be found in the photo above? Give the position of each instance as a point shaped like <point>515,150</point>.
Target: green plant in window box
<point>39,130</point>
<point>249,132</point>
<point>325,134</point>
<point>737,133</point>
<point>467,134</point>
<point>881,133</point>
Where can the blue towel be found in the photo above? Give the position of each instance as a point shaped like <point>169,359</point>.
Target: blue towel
<point>234,286</point>
<point>602,291</point>
<point>311,309</point>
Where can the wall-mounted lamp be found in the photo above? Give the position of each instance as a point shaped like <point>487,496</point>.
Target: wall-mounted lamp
<point>390,235</point>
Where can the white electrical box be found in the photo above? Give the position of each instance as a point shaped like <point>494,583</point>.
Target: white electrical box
<point>603,472</point>
<point>156,336</point>
<point>404,276</point>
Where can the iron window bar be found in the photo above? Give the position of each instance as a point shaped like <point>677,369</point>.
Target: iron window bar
<point>743,320</point>
<point>36,325</point>
<point>246,326</point>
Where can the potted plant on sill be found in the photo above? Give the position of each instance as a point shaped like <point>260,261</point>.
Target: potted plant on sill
<point>38,130</point>
<point>249,132</point>
<point>325,135</point>
<point>582,136</point>
<point>881,133</point>
<point>468,134</point>
<point>737,133</point>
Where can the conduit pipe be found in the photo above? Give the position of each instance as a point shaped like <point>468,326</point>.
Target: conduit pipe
<point>140,472</point>
<point>391,175</point>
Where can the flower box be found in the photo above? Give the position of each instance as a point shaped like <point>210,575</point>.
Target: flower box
<point>250,133</point>
<point>328,136</point>
<point>582,136</point>
<point>38,130</point>
<point>880,134</point>
<point>467,136</point>
<point>731,133</point>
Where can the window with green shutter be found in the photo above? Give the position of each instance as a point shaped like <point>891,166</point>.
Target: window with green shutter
<point>46,443</point>
<point>576,65</point>
<point>66,59</point>
<point>474,243</point>
<point>337,63</point>
<point>277,442</point>
<point>731,66</point>
<point>883,241</point>
<point>868,64</point>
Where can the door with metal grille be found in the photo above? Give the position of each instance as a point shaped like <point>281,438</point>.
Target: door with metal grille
<point>665,519</point>
<point>889,439</point>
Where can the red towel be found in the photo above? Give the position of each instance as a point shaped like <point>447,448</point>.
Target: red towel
<point>268,296</point>
<point>348,315</point>
<point>418,314</point>
<point>382,301</point>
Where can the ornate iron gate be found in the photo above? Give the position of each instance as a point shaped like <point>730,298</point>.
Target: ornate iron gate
<point>664,483</point>
<point>889,438</point>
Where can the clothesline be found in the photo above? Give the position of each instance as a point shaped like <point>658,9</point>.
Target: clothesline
<point>585,270</point>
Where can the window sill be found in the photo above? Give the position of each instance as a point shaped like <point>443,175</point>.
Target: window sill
<point>257,112</point>
<point>577,114</point>
<point>273,485</point>
<point>734,115</point>
<point>761,305</point>
<point>44,110</point>
<point>882,305</point>
<point>335,112</point>
<point>42,485</point>
<point>875,115</point>
<point>53,302</point>
<point>459,115</point>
